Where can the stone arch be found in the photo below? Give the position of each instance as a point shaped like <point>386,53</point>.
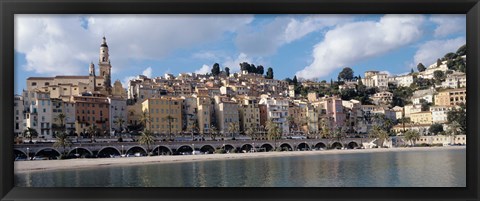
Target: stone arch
<point>135,149</point>
<point>352,145</point>
<point>286,147</point>
<point>184,150</point>
<point>49,152</point>
<point>246,147</point>
<point>303,146</point>
<point>81,152</point>
<point>336,145</point>
<point>207,149</point>
<point>106,152</point>
<point>320,146</point>
<point>229,147</point>
<point>162,150</point>
<point>266,147</point>
<point>19,153</point>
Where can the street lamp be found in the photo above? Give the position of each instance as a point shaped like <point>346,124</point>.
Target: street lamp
<point>122,151</point>
<point>76,152</point>
<point>193,146</point>
<point>253,146</point>
<point>28,153</point>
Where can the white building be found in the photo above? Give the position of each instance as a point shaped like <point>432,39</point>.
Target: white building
<point>226,113</point>
<point>428,73</point>
<point>439,113</point>
<point>455,80</point>
<point>118,110</point>
<point>382,98</point>
<point>402,80</point>
<point>277,110</point>
<point>409,109</point>
<point>38,113</point>
<point>426,94</point>
<point>376,79</point>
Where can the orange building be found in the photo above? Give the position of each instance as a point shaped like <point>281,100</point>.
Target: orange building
<point>91,111</point>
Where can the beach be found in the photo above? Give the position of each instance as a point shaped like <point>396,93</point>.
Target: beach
<point>69,164</point>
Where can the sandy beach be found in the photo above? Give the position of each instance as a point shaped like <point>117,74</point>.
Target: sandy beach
<point>45,165</point>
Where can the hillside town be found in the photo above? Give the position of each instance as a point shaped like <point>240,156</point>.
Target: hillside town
<point>249,104</point>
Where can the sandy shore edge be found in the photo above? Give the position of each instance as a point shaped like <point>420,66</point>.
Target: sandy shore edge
<point>47,165</point>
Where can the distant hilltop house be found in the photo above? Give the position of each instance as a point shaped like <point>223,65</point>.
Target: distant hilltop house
<point>376,79</point>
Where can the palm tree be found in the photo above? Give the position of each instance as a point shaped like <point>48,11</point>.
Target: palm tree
<point>92,131</point>
<point>119,121</point>
<point>453,130</point>
<point>147,138</point>
<point>61,117</point>
<point>412,136</point>
<point>250,132</point>
<point>291,123</point>
<point>325,133</point>
<point>30,133</point>
<point>273,131</point>
<point>380,134</point>
<point>232,128</point>
<point>62,141</point>
<point>213,132</point>
<point>145,119</point>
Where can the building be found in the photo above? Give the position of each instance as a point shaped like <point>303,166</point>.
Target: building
<point>165,114</point>
<point>376,79</point>
<point>118,113</point>
<point>426,94</point>
<point>205,108</point>
<point>421,117</point>
<point>19,115</point>
<point>92,111</point>
<point>249,113</point>
<point>439,113</point>
<point>455,80</point>
<point>451,97</point>
<point>382,98</point>
<point>402,80</point>
<point>67,109</point>
<point>277,111</point>
<point>333,111</point>
<point>226,113</point>
<point>409,109</point>
<point>38,113</point>
<point>59,86</point>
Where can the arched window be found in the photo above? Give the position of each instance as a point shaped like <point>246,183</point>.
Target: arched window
<point>103,59</point>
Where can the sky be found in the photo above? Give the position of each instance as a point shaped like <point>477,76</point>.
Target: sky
<point>308,46</point>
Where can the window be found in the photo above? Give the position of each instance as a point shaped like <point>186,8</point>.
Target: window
<point>34,84</point>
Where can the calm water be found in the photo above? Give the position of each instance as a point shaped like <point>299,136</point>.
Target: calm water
<point>439,168</point>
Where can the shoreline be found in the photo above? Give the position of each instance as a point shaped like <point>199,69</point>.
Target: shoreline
<point>70,164</point>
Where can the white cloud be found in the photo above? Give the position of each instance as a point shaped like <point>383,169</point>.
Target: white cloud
<point>234,63</point>
<point>429,52</point>
<point>356,41</point>
<point>448,24</point>
<point>147,72</point>
<point>264,40</point>
<point>203,70</point>
<point>58,44</point>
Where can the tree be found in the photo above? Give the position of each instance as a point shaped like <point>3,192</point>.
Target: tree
<point>420,67</point>
<point>147,139</point>
<point>291,122</point>
<point>119,121</point>
<point>273,131</point>
<point>462,50</point>
<point>227,71</point>
<point>449,55</point>
<point>439,76</point>
<point>379,133</point>
<point>412,136</point>
<point>294,80</point>
<point>260,70</point>
<point>213,132</point>
<point>92,131</point>
<point>216,69</point>
<point>233,128</point>
<point>61,117</point>
<point>145,119</point>
<point>439,62</point>
<point>425,105</point>
<point>250,132</point>
<point>453,130</point>
<point>435,128</point>
<point>411,72</point>
<point>170,119</point>
<point>458,115</point>
<point>346,74</point>
<point>62,141</point>
<point>269,73</point>
<point>325,133</point>
<point>30,133</point>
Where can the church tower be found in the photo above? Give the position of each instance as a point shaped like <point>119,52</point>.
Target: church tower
<point>105,67</point>
<point>91,77</point>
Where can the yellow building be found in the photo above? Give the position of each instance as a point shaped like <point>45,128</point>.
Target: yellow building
<point>421,117</point>
<point>451,97</point>
<point>164,112</point>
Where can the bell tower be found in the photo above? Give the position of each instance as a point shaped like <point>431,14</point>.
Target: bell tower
<point>105,66</point>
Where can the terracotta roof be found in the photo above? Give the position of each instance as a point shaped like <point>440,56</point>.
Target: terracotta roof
<point>40,78</point>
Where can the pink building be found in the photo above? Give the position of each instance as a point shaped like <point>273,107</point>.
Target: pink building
<point>333,111</point>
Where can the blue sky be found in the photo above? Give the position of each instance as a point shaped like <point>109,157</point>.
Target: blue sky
<point>309,46</point>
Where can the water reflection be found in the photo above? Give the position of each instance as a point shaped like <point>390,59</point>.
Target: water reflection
<point>389,169</point>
